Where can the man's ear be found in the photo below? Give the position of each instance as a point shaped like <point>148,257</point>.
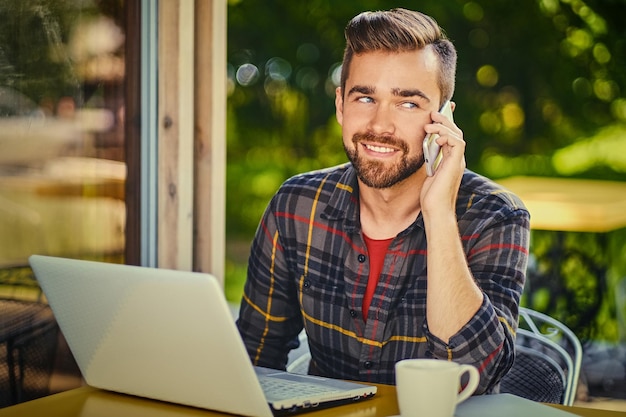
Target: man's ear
<point>339,105</point>
<point>452,106</point>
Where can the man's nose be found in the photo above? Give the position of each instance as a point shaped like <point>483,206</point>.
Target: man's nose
<point>382,121</point>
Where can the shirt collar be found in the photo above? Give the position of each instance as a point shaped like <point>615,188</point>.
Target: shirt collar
<point>344,202</point>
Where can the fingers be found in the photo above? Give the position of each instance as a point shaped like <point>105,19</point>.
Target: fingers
<point>451,141</point>
<point>441,125</point>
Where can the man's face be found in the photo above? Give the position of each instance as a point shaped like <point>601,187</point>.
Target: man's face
<point>387,102</point>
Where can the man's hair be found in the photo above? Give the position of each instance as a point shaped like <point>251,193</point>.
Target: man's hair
<point>400,30</point>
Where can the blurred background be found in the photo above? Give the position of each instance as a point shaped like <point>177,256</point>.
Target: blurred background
<point>541,92</point>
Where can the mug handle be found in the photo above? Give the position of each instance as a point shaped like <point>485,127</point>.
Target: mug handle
<point>472,384</point>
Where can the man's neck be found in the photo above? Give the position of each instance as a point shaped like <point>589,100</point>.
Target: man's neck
<point>387,212</point>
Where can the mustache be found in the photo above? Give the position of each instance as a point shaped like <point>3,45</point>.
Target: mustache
<point>381,139</point>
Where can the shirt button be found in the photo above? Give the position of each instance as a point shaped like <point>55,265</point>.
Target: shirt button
<point>306,284</point>
<point>361,258</point>
<point>368,364</point>
<point>353,313</point>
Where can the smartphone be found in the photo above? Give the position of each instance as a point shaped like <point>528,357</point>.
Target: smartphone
<point>432,151</point>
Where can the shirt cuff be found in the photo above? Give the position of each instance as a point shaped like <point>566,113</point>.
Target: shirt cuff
<point>482,333</point>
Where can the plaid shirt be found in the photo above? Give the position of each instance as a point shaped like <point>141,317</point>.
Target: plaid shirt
<point>308,267</point>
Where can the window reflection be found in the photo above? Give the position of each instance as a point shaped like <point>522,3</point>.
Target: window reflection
<point>62,162</point>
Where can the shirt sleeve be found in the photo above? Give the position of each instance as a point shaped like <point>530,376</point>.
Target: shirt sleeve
<point>497,257</point>
<point>269,320</point>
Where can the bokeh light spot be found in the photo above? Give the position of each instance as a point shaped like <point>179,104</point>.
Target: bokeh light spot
<point>487,76</point>
<point>247,74</point>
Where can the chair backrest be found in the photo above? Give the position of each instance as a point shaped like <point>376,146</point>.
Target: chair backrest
<point>548,360</point>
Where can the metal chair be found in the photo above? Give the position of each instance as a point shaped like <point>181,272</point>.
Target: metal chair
<point>548,360</point>
<point>299,358</point>
<point>28,343</point>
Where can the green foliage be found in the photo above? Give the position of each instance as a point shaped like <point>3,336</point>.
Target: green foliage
<point>577,278</point>
<point>603,151</point>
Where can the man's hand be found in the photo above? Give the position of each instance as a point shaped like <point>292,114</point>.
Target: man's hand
<point>440,191</point>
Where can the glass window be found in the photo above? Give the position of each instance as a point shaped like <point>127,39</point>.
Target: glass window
<point>61,130</point>
<point>62,165</point>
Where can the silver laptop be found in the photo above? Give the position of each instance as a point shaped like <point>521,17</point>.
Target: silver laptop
<point>169,335</point>
<point>509,405</point>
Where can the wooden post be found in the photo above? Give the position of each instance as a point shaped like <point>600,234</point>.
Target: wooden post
<point>210,137</point>
<point>175,115</point>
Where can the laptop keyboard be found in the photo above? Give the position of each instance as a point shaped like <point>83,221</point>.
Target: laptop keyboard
<point>281,389</point>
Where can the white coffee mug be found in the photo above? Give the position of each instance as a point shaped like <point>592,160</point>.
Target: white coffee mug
<point>432,387</point>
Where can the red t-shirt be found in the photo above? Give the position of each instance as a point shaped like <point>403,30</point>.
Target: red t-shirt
<point>377,249</point>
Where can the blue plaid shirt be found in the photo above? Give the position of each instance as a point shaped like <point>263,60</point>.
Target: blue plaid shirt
<point>309,267</point>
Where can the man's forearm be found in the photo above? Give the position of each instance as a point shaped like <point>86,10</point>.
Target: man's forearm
<point>453,297</point>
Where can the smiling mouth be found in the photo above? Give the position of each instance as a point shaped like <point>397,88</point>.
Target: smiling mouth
<point>381,145</point>
<point>378,148</point>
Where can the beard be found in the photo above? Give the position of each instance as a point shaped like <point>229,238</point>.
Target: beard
<point>377,174</point>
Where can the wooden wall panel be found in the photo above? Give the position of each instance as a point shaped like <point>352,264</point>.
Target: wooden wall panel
<point>175,115</point>
<point>192,135</point>
<point>210,137</point>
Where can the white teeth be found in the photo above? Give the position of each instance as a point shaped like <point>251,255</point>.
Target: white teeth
<point>380,149</point>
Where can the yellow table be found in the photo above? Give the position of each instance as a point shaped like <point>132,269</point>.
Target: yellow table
<point>91,402</point>
<point>571,205</point>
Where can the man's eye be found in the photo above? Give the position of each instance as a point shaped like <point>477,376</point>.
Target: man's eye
<point>365,99</point>
<point>410,105</point>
